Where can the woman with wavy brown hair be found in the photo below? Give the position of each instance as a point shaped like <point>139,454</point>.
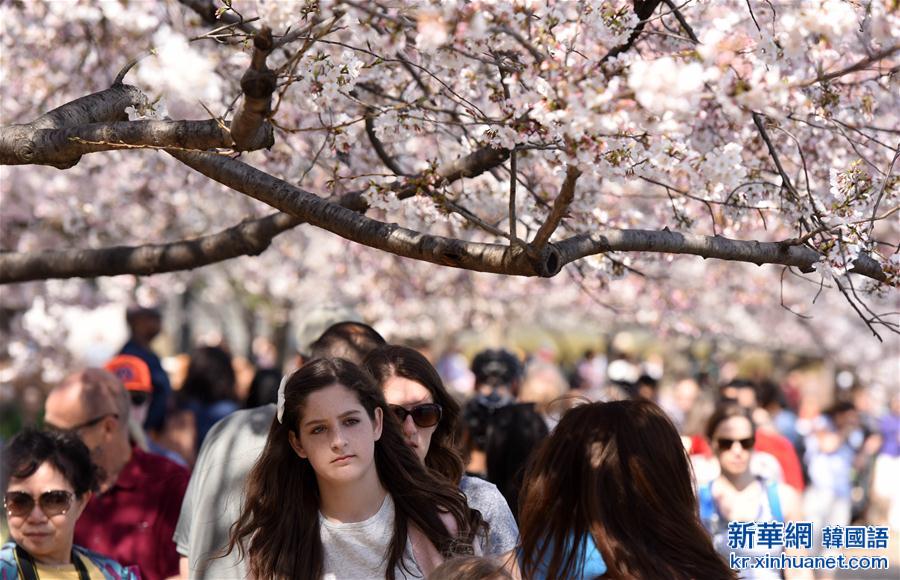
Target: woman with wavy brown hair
<point>429,417</point>
<point>609,495</point>
<point>338,492</point>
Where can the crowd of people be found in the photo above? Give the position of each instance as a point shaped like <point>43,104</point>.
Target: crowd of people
<point>368,461</point>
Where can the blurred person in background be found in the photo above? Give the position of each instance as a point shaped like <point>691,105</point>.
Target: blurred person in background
<point>454,370</point>
<point>591,372</point>
<point>497,375</point>
<point>609,494</point>
<point>768,439</point>
<point>771,398</point>
<point>263,388</point>
<point>214,497</point>
<point>545,386</point>
<point>132,517</point>
<point>885,490</point>
<point>678,401</point>
<point>134,375</point>
<point>515,433</point>
<point>500,433</point>
<point>831,449</point>
<point>145,324</point>
<point>209,388</point>
<point>867,452</point>
<point>49,480</point>
<point>646,388</point>
<point>738,494</point>
<point>428,416</point>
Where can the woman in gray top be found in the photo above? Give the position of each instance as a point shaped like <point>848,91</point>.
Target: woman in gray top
<point>429,415</point>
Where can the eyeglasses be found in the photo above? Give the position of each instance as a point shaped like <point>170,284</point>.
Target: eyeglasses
<point>726,444</point>
<point>84,425</point>
<point>53,503</point>
<point>427,415</point>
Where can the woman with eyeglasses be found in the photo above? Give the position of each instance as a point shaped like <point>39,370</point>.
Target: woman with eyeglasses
<point>738,495</point>
<point>429,416</point>
<point>50,479</point>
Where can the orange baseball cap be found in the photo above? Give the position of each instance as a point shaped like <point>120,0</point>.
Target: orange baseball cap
<point>132,371</point>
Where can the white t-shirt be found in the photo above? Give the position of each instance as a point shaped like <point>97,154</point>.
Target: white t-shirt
<point>358,550</point>
<point>503,533</point>
<point>214,495</point>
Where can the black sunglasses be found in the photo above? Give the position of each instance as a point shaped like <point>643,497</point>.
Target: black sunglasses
<point>53,503</point>
<point>84,425</point>
<point>725,443</point>
<point>426,415</point>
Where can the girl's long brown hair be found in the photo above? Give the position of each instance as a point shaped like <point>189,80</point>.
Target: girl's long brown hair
<point>278,530</point>
<point>401,361</point>
<point>619,472</point>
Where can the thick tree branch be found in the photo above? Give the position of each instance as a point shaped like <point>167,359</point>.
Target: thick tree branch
<point>181,255</point>
<point>560,207</point>
<point>248,238</point>
<point>718,247</point>
<point>366,231</point>
<point>63,148</point>
<point>101,107</point>
<point>493,258</point>
<point>250,128</point>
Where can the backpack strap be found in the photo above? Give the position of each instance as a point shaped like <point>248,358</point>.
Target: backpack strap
<point>774,501</point>
<point>707,503</point>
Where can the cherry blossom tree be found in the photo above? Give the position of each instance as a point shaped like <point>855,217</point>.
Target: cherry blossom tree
<point>586,142</point>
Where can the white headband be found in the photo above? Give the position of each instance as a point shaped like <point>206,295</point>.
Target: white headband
<point>280,406</point>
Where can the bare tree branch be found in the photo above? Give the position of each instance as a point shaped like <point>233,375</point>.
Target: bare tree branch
<point>513,238</point>
<point>758,120</point>
<point>560,207</point>
<point>101,107</point>
<point>718,247</point>
<point>644,9</point>
<point>858,66</point>
<point>249,238</point>
<point>378,146</point>
<point>250,128</point>
<point>183,255</point>
<point>363,230</point>
<point>536,54</point>
<point>473,164</point>
<point>207,9</point>
<point>64,147</point>
<point>684,24</point>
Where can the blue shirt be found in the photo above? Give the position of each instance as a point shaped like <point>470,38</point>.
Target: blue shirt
<point>590,562</point>
<point>156,414</point>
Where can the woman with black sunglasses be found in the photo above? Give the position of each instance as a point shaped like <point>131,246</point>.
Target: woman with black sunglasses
<point>49,480</point>
<point>429,416</point>
<point>738,495</point>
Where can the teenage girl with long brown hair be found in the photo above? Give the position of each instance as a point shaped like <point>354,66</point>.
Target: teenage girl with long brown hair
<point>338,493</point>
